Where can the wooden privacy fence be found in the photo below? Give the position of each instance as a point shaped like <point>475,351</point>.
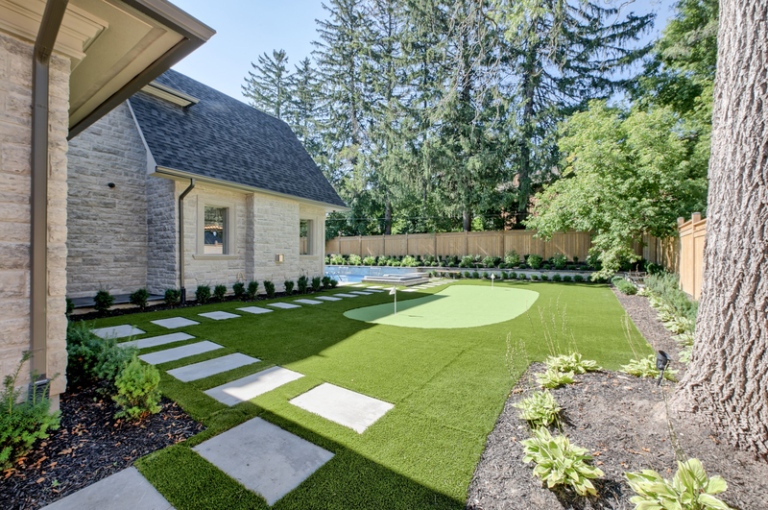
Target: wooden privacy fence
<point>496,244</point>
<point>691,261</point>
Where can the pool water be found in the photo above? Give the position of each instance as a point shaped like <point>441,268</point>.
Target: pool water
<point>355,274</point>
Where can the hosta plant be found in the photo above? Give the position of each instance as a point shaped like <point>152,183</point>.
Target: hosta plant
<point>571,363</point>
<point>646,367</point>
<point>690,489</point>
<point>553,378</point>
<point>558,462</point>
<point>540,409</point>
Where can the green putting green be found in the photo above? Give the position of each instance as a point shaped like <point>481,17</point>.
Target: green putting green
<point>459,306</point>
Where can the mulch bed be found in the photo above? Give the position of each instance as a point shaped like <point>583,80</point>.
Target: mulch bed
<point>622,420</point>
<point>89,445</point>
<point>117,312</point>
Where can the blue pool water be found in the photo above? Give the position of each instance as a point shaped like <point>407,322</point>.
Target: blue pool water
<point>355,274</point>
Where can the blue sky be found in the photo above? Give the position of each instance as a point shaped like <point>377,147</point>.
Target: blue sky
<point>248,28</point>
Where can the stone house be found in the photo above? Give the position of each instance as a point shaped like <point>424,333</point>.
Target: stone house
<point>182,161</point>
<point>63,66</point>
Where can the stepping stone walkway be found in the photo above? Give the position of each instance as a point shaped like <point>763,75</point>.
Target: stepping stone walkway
<point>218,316</point>
<point>117,332</point>
<point>125,490</point>
<point>328,298</point>
<point>255,309</point>
<point>212,367</point>
<point>185,351</point>
<point>285,306</point>
<point>252,386</point>
<point>343,406</point>
<point>360,285</point>
<point>375,287</point>
<point>373,290</point>
<point>155,341</point>
<point>174,322</point>
<point>264,458</point>
<point>308,302</point>
<point>361,293</point>
<point>345,295</point>
<point>408,290</point>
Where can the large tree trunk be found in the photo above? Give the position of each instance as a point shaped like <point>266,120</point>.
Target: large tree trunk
<point>467,220</point>
<point>727,381</point>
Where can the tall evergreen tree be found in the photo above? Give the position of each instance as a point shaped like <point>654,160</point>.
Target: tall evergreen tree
<point>268,86</point>
<point>305,112</point>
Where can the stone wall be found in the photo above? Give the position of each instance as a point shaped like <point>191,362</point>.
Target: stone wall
<point>15,188</point>
<point>314,263</point>
<point>107,238</point>
<point>162,235</point>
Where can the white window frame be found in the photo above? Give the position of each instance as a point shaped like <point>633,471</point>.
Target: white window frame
<point>310,237</point>
<point>229,226</point>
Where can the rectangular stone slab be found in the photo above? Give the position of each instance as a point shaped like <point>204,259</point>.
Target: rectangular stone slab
<point>409,290</point>
<point>255,309</point>
<point>174,322</point>
<point>360,293</point>
<point>343,406</point>
<point>264,458</point>
<point>371,289</point>
<point>185,351</point>
<point>219,316</point>
<point>329,298</point>
<point>212,367</point>
<point>285,306</point>
<point>308,302</point>
<point>118,331</point>
<point>146,343</point>
<point>252,386</point>
<point>345,295</point>
<point>125,490</point>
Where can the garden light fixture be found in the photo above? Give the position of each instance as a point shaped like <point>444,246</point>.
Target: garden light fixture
<point>662,361</point>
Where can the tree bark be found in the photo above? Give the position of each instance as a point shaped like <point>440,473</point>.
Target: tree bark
<point>467,220</point>
<point>727,381</point>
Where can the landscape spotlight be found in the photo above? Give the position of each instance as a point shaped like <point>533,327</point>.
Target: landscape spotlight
<point>662,361</point>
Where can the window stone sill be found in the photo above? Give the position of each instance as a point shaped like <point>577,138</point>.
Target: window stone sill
<point>203,256</point>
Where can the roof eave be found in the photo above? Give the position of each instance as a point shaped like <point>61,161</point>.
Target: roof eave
<point>173,172</point>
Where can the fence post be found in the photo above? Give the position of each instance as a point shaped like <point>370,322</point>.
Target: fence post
<point>360,245</point>
<point>466,243</point>
<point>383,244</point>
<point>338,243</point>
<point>434,238</point>
<point>407,252</point>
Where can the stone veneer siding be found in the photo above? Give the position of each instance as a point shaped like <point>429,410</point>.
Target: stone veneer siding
<point>15,188</point>
<point>107,238</point>
<point>162,235</point>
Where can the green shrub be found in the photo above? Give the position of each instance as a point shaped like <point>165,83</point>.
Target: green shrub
<point>485,275</point>
<point>467,261</point>
<point>408,261</point>
<point>317,283</point>
<point>289,284</point>
<point>540,409</point>
<point>489,262</point>
<point>172,297</point>
<point>511,258</point>
<point>139,298</point>
<point>219,292</point>
<point>22,424</point>
<point>70,306</point>
<point>503,275</point>
<point>337,259</point>
<point>546,266</point>
<point>203,294</point>
<point>571,363</point>
<point>369,261</point>
<point>559,261</point>
<point>90,358</point>
<point>690,489</point>
<point>544,278</point>
<point>239,290</point>
<point>326,281</point>
<point>665,287</point>
<point>522,276</point>
<point>553,378</point>
<point>253,289</point>
<point>467,274</point>
<point>355,260</point>
<point>567,279</point>
<point>646,367</point>
<point>303,284</point>
<point>137,393</point>
<point>103,301</point>
<point>513,275</point>
<point>624,286</point>
<point>327,260</point>
<point>334,283</point>
<point>475,275</point>
<point>558,462</point>
<point>269,288</point>
<point>575,259</point>
<point>534,261</point>
<point>536,277</point>
<point>578,278</point>
<point>557,278</point>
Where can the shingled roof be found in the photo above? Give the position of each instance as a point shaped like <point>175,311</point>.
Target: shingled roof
<point>223,139</point>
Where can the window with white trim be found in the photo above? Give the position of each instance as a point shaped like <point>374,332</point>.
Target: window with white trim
<point>305,237</point>
<point>216,230</point>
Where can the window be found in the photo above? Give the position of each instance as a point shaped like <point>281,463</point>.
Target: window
<point>216,231</point>
<point>305,237</point>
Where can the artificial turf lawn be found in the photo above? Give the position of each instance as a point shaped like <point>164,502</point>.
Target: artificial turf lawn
<point>456,306</point>
<point>448,387</point>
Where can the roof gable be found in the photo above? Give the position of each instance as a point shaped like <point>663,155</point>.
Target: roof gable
<point>221,138</point>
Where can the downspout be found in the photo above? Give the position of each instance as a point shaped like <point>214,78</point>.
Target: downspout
<point>46,39</point>
<point>181,240</point>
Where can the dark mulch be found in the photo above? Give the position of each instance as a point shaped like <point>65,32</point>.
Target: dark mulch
<point>89,445</point>
<point>622,420</point>
<point>117,312</point>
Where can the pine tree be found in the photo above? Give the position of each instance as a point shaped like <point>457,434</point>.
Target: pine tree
<point>304,112</point>
<point>268,86</point>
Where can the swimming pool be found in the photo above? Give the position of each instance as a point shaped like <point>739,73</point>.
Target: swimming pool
<point>355,274</point>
